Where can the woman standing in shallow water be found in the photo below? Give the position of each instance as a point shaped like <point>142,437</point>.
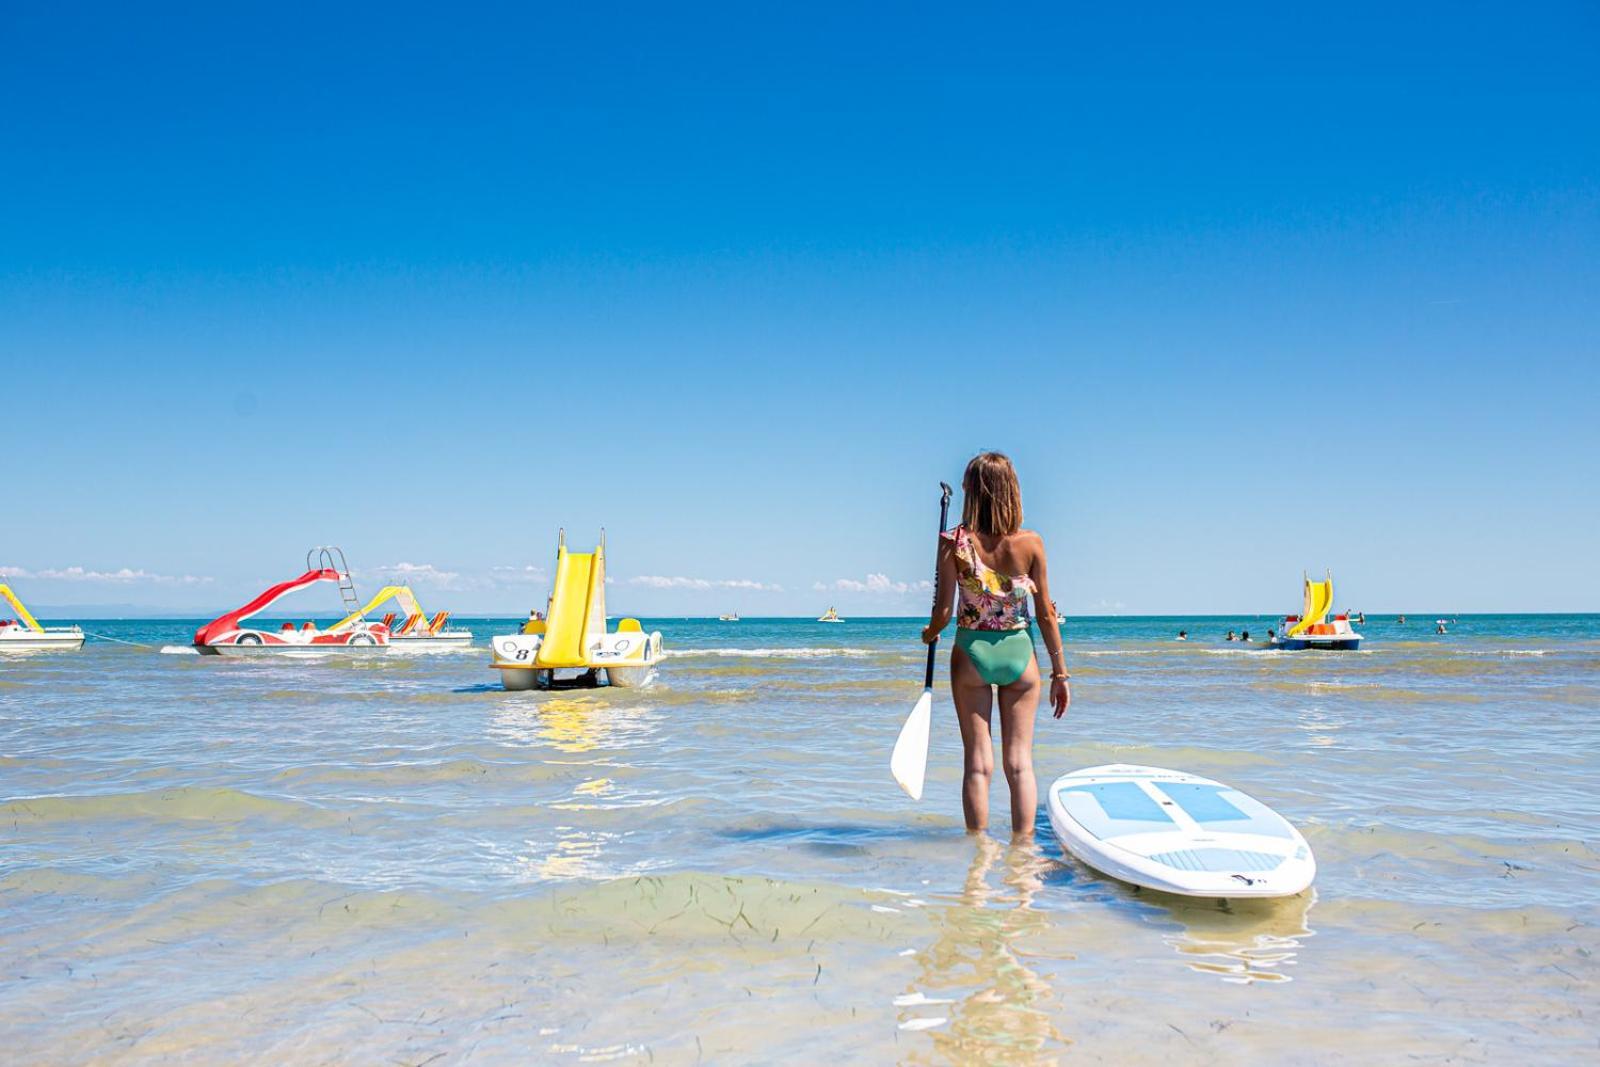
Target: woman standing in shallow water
<point>993,567</point>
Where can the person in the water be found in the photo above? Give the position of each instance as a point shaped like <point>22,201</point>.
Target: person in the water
<point>993,567</point>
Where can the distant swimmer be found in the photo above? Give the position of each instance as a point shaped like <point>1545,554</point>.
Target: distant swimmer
<point>1440,624</point>
<point>1272,635</point>
<point>1232,636</point>
<point>1245,636</point>
<point>1401,620</point>
<point>1183,635</point>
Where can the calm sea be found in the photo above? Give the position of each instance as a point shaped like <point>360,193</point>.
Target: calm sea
<point>391,860</point>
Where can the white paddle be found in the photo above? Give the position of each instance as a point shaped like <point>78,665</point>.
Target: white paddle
<point>909,763</point>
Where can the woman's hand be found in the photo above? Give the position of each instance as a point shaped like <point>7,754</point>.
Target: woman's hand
<point>1060,695</point>
<point>930,633</point>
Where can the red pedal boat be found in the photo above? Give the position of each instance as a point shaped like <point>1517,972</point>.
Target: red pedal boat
<point>228,634</point>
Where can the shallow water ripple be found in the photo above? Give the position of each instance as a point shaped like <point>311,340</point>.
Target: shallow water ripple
<point>380,859</point>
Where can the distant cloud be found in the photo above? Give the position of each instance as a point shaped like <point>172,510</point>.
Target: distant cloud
<point>425,573</point>
<point>526,573</point>
<point>656,581</point>
<point>875,583</point>
<point>467,579</point>
<point>121,576</point>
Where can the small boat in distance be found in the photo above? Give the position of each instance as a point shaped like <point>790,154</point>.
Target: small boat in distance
<point>1311,629</point>
<point>728,618</point>
<point>24,634</point>
<point>829,616</point>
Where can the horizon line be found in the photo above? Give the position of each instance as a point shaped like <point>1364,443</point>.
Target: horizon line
<point>51,613</point>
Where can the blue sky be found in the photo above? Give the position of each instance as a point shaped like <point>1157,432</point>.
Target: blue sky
<point>1243,292</point>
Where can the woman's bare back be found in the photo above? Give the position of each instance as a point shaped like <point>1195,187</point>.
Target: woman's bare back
<point>1009,554</point>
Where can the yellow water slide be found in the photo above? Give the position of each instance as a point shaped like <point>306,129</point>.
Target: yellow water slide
<point>22,613</point>
<point>577,611</point>
<point>1319,601</point>
<point>402,595</point>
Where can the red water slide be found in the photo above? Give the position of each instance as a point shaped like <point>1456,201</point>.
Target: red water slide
<point>230,622</point>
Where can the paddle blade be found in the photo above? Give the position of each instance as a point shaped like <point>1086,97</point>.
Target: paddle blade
<point>910,760</point>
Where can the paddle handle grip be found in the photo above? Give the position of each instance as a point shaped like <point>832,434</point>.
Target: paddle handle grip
<point>944,519</point>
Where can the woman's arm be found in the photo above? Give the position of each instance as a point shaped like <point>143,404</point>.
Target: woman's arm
<point>1044,609</point>
<point>944,591</point>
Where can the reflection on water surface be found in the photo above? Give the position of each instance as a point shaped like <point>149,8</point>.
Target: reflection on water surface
<point>300,860</point>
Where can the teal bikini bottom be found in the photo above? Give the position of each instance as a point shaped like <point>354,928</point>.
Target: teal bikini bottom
<point>1001,656</point>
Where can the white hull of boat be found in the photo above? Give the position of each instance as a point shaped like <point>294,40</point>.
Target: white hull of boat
<point>53,639</point>
<point>440,642</point>
<point>524,679</point>
<point>290,650</point>
<point>1342,642</point>
<point>627,660</point>
<point>297,642</point>
<point>630,677</point>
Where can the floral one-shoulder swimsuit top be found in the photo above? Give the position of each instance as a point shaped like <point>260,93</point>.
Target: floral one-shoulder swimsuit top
<point>988,600</point>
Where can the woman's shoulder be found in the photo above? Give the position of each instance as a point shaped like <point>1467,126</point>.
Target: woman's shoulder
<point>1029,545</point>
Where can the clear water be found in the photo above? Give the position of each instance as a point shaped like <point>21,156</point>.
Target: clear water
<point>334,859</point>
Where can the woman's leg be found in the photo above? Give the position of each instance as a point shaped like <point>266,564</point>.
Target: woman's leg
<point>1018,702</point>
<point>974,701</point>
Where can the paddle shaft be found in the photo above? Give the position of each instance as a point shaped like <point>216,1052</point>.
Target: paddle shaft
<point>944,518</point>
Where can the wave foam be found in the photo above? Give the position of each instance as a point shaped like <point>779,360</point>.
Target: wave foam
<point>1501,651</point>
<point>1119,652</point>
<point>770,653</point>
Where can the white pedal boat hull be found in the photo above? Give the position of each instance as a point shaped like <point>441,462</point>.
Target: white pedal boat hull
<point>289,642</point>
<point>53,639</point>
<point>433,642</point>
<point>628,659</point>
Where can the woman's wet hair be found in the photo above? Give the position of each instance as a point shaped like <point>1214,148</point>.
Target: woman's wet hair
<point>991,498</point>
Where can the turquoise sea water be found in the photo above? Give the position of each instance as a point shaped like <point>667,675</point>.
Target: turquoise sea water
<point>390,859</point>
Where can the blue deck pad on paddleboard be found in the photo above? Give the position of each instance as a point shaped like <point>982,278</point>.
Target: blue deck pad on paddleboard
<point>1115,809</point>
<point>1178,833</point>
<point>1221,808</point>
<point>1219,859</point>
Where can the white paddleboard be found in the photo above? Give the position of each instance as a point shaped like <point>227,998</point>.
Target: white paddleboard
<point>1178,833</point>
